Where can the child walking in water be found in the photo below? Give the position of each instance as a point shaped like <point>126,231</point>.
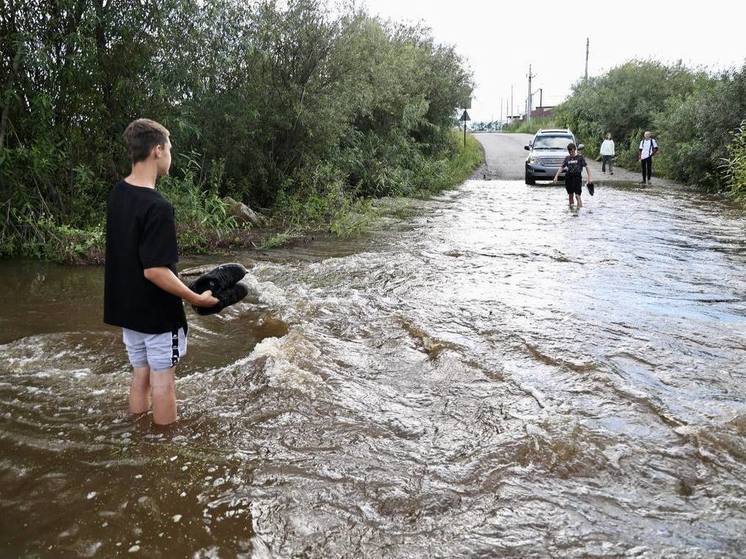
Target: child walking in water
<point>573,167</point>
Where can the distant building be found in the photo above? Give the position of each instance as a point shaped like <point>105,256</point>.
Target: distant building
<point>542,111</point>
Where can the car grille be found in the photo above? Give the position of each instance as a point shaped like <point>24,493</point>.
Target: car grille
<point>551,161</point>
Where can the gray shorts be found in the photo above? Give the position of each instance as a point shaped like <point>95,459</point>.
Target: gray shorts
<point>158,351</point>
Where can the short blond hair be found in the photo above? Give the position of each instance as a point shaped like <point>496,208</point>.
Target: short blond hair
<point>142,135</point>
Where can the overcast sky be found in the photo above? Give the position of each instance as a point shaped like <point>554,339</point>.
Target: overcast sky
<point>499,39</point>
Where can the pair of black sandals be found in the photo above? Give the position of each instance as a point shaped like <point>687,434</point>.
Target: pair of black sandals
<point>223,281</point>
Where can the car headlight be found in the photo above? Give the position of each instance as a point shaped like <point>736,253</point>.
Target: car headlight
<point>532,159</point>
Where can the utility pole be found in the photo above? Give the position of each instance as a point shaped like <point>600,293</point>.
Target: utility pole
<point>511,103</point>
<point>501,111</point>
<point>541,96</point>
<point>587,48</point>
<point>528,99</point>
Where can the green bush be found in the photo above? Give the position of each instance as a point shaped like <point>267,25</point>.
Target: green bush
<point>37,235</point>
<point>328,207</point>
<point>623,101</point>
<point>202,218</point>
<point>324,200</point>
<point>275,97</point>
<point>691,113</point>
<point>696,129</point>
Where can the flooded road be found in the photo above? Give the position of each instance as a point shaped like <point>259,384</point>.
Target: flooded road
<point>487,374</point>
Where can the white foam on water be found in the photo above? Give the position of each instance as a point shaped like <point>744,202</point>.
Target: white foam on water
<point>287,360</point>
<point>40,357</point>
<point>264,292</point>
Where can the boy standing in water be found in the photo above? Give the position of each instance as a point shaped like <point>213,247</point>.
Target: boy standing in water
<point>573,167</point>
<point>142,292</point>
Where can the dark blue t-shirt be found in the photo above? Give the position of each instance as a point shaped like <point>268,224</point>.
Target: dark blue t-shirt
<point>140,233</point>
<point>574,165</point>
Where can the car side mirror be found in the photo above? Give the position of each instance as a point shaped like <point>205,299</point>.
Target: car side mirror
<point>526,148</point>
<point>580,146</point>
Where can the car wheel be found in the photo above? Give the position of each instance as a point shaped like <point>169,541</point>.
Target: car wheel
<point>530,180</point>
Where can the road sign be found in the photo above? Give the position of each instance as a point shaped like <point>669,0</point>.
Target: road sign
<point>464,118</point>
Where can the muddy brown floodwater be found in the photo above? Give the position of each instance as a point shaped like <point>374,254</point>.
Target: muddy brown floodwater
<point>490,375</point>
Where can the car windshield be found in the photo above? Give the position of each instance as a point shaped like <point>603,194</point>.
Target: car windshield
<point>551,142</point>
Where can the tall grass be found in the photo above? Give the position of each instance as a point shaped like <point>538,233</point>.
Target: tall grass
<point>333,206</point>
<point>735,164</point>
<point>202,222</point>
<point>455,165</point>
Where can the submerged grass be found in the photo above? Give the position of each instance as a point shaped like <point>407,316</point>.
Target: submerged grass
<point>280,239</point>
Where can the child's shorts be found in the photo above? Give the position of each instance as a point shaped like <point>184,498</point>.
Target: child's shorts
<point>574,184</point>
<point>158,351</point>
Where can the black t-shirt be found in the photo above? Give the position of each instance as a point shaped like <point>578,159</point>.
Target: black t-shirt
<point>574,165</point>
<point>140,233</point>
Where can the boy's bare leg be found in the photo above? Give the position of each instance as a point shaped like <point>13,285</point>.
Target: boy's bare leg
<point>570,200</point>
<point>163,386</point>
<point>580,202</point>
<point>140,390</point>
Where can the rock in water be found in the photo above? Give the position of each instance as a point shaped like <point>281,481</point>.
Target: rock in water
<point>242,213</point>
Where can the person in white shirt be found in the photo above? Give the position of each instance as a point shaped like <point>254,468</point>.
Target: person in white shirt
<point>648,148</point>
<point>607,154</point>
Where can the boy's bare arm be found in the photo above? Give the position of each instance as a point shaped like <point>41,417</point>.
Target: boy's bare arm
<point>556,175</point>
<point>170,283</point>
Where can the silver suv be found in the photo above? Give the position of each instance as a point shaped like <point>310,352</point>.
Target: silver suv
<point>546,152</point>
